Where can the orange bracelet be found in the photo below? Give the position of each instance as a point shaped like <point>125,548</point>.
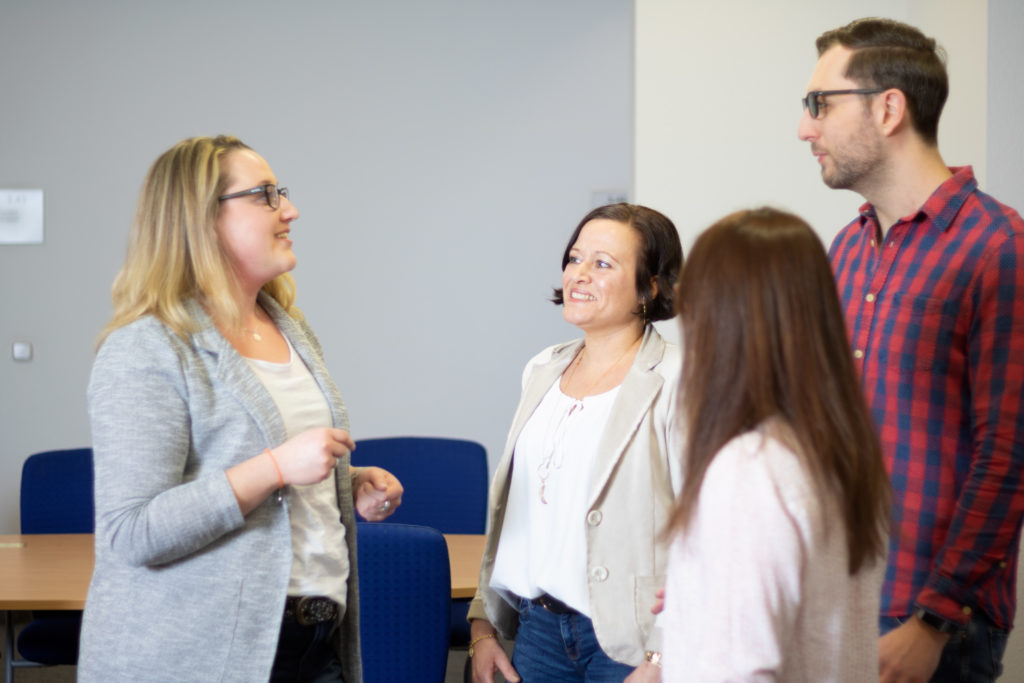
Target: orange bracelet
<point>280,479</point>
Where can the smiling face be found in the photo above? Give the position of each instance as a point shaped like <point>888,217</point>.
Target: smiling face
<point>844,138</point>
<point>254,236</point>
<point>599,281</point>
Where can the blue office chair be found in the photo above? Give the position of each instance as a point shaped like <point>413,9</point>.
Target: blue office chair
<point>405,589</point>
<point>56,498</point>
<point>445,484</point>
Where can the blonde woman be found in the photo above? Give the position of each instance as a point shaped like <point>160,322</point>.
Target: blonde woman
<point>225,526</point>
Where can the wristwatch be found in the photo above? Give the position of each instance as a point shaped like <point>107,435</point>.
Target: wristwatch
<point>936,622</point>
<point>653,657</point>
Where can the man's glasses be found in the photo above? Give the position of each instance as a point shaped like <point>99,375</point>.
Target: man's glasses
<point>814,101</point>
<point>271,193</point>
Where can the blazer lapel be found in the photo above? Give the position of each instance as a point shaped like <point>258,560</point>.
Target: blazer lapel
<point>636,394</point>
<point>238,378</point>
<point>310,356</point>
<point>538,384</point>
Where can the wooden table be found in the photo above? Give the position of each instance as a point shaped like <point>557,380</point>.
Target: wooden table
<point>464,553</point>
<point>45,571</point>
<point>52,572</point>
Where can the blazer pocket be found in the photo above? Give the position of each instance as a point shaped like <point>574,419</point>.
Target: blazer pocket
<point>644,589</point>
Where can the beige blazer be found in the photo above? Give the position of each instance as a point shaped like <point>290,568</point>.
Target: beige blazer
<point>629,502</point>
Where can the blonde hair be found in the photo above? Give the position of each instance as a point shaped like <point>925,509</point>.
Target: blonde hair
<point>173,251</point>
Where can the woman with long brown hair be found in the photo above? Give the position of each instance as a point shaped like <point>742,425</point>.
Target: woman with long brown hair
<point>779,533</point>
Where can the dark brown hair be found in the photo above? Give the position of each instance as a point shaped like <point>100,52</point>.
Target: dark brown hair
<point>764,338</point>
<point>660,256</point>
<point>890,54</point>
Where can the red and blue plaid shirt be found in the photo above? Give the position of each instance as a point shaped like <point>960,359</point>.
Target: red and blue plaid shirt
<point>935,313</point>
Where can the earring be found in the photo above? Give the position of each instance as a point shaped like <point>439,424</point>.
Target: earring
<point>643,309</point>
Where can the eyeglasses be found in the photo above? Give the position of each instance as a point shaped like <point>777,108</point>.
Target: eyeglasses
<point>814,101</point>
<point>271,193</point>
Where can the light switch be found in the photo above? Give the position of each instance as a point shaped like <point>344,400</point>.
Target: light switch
<point>21,351</point>
<point>21,216</point>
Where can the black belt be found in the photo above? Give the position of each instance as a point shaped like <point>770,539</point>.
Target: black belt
<point>553,605</point>
<point>309,610</point>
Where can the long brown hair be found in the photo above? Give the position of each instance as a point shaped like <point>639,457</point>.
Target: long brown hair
<point>764,339</point>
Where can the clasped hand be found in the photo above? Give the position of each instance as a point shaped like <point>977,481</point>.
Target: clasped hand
<point>377,493</point>
<point>311,456</point>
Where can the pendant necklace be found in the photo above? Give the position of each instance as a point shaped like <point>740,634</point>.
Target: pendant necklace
<point>544,468</point>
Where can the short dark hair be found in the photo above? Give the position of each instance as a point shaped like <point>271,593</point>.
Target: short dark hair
<point>660,256</point>
<point>890,54</point>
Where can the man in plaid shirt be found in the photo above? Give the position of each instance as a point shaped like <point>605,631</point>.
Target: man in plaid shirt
<point>931,276</point>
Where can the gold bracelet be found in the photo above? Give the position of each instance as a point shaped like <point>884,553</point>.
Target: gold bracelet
<point>653,657</point>
<point>477,640</point>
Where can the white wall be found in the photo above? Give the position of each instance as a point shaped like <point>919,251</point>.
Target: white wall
<point>1005,146</point>
<point>440,154</point>
<point>717,106</point>
<point>718,103</point>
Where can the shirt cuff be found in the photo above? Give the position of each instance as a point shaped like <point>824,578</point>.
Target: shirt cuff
<point>943,606</point>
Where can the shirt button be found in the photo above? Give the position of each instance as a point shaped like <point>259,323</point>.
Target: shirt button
<point>858,354</point>
<point>594,518</point>
<point>598,574</point>
<point>966,610</point>
<point>869,298</point>
<point>1002,565</point>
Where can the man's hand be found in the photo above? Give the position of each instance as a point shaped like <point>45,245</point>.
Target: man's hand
<point>910,653</point>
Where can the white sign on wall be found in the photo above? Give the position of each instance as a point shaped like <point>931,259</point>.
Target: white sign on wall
<point>21,216</point>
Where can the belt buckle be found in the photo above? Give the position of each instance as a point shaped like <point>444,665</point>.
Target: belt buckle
<point>304,603</point>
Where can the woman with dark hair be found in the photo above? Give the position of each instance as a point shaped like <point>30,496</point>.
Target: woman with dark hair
<point>589,471</point>
<point>779,534</point>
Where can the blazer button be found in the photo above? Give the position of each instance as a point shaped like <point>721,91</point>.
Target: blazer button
<point>598,574</point>
<point>594,518</point>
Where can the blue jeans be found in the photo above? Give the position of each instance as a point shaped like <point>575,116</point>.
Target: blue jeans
<point>973,655</point>
<point>561,647</point>
<point>304,654</point>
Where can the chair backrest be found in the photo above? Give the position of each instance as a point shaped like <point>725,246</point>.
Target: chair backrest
<point>56,493</point>
<point>405,589</point>
<point>445,480</point>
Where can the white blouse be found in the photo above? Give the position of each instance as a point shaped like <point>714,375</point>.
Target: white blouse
<point>319,552</point>
<point>758,587</point>
<point>543,545</point>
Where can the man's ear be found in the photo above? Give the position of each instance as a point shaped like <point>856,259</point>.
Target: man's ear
<point>891,111</point>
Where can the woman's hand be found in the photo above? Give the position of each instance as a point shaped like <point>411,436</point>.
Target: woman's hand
<point>645,673</point>
<point>659,602</point>
<point>377,493</point>
<point>488,655</point>
<point>307,458</point>
<point>311,456</point>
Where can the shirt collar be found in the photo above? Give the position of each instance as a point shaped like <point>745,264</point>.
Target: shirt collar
<point>943,204</point>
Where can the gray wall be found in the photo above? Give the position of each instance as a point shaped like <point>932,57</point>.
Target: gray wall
<point>439,153</point>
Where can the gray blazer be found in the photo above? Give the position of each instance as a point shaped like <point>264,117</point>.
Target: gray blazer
<point>185,588</point>
<point>630,498</point>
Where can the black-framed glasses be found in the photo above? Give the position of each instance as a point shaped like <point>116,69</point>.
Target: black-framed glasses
<point>814,101</point>
<point>272,193</point>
